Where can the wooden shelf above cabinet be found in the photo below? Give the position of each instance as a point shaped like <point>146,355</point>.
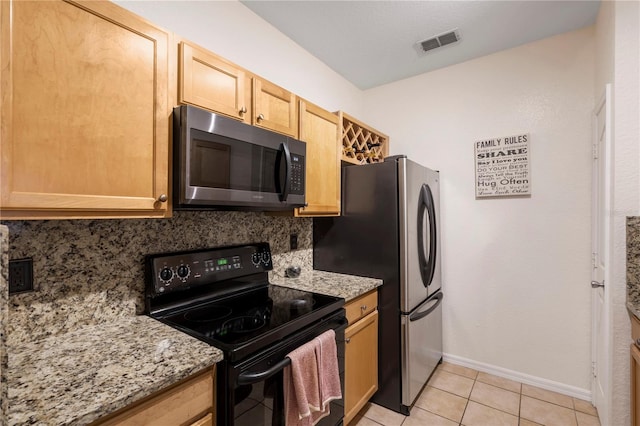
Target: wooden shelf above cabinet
<point>361,143</point>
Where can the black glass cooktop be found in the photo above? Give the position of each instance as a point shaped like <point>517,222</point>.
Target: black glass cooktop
<point>253,319</point>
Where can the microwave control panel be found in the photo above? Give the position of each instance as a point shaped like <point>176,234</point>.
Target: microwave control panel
<point>297,174</point>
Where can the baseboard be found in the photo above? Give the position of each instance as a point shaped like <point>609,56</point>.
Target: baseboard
<point>573,391</point>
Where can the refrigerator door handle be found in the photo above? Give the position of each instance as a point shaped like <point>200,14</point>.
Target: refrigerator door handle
<point>421,314</point>
<point>427,205</point>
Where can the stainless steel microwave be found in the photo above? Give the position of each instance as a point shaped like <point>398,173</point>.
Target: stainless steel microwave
<point>220,163</point>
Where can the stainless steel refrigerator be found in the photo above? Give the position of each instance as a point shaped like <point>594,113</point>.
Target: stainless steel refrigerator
<point>389,229</point>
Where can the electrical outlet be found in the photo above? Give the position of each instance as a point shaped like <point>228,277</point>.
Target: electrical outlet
<point>20,275</point>
<point>293,241</point>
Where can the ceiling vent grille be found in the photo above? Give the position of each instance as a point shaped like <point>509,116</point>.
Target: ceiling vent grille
<point>441,40</point>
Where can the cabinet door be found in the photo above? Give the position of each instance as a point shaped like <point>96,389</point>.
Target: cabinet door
<point>274,108</point>
<point>84,111</point>
<point>361,364</point>
<point>210,82</point>
<point>320,130</point>
<point>635,386</point>
<point>179,405</point>
<point>205,421</point>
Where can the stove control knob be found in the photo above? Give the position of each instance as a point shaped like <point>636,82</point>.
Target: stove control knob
<point>266,257</point>
<point>183,272</point>
<point>256,258</point>
<point>166,274</point>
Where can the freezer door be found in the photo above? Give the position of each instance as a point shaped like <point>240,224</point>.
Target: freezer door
<point>419,198</point>
<point>421,346</point>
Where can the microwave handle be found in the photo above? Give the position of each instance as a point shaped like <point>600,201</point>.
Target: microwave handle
<point>287,178</point>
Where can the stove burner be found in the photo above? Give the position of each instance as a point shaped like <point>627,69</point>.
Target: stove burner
<point>243,324</point>
<point>301,306</point>
<point>208,314</point>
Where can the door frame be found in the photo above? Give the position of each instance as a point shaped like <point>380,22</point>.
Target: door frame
<point>602,202</point>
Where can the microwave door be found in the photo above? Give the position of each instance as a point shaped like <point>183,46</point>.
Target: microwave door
<point>212,167</point>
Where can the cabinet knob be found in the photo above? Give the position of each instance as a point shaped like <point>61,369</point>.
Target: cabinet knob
<point>347,340</point>
<point>363,307</point>
<point>162,198</point>
<point>261,117</point>
<point>242,110</point>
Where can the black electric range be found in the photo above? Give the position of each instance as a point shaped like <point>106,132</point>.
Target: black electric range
<point>222,296</point>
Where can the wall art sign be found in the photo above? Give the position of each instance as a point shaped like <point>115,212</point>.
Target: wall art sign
<point>502,167</point>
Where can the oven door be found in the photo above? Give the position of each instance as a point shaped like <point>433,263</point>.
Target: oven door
<point>223,162</point>
<point>250,392</point>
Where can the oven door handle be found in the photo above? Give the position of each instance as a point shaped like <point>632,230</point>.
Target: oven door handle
<point>250,378</point>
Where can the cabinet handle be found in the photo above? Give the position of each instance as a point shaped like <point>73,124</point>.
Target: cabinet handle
<point>162,198</point>
<point>261,117</point>
<point>363,307</point>
<point>242,110</point>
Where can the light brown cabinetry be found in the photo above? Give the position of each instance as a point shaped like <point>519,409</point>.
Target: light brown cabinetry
<point>211,82</point>
<point>320,130</point>
<point>361,353</point>
<point>190,402</point>
<point>274,108</point>
<point>361,143</point>
<point>635,372</point>
<point>635,386</point>
<point>84,111</point>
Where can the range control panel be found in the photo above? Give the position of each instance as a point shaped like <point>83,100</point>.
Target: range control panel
<point>181,270</point>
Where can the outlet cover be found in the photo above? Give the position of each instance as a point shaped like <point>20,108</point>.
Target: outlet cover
<point>20,275</point>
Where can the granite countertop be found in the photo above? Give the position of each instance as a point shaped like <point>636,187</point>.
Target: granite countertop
<point>633,265</point>
<point>346,286</point>
<point>80,376</point>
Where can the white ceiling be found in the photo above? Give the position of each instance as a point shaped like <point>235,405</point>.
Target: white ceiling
<point>371,43</point>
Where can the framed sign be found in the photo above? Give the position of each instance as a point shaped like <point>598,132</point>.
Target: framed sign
<point>502,167</point>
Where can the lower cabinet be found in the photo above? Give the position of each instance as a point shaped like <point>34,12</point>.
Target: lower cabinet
<point>635,372</point>
<point>635,386</point>
<point>190,402</point>
<point>361,354</point>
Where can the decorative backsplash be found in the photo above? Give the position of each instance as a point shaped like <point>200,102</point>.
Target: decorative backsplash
<point>633,262</point>
<point>4,320</point>
<point>89,271</point>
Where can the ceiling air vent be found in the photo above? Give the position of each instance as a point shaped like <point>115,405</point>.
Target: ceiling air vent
<point>439,41</point>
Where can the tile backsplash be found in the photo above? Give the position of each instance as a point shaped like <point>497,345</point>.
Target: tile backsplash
<point>88,271</point>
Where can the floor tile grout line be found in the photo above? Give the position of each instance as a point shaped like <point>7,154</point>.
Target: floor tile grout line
<point>468,400</point>
<point>509,390</point>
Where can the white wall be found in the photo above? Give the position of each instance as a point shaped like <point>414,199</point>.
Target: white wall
<point>515,271</point>
<point>233,31</point>
<point>618,62</point>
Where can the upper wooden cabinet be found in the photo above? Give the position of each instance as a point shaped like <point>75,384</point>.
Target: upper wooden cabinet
<point>84,111</point>
<point>320,129</point>
<point>211,82</point>
<point>361,143</point>
<point>274,108</point>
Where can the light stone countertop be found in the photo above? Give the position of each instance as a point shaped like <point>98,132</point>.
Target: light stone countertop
<point>346,286</point>
<point>77,377</point>
<point>80,376</point>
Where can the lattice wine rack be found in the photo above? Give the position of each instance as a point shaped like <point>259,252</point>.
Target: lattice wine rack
<point>362,144</point>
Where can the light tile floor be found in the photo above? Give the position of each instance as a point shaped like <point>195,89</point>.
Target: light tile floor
<point>457,395</point>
